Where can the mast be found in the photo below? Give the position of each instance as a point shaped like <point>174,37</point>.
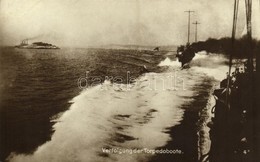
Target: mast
<point>196,30</point>
<point>189,12</point>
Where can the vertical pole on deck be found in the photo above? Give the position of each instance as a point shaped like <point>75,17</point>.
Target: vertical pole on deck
<point>189,12</point>
<point>196,30</point>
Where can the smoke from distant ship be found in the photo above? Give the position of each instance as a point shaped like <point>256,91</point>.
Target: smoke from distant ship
<point>35,37</point>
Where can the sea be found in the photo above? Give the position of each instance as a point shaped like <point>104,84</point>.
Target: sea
<point>105,105</point>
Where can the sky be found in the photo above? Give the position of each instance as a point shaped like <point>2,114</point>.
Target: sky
<point>82,23</point>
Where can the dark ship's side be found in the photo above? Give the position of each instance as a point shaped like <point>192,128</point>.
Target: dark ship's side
<point>233,129</point>
<point>36,45</point>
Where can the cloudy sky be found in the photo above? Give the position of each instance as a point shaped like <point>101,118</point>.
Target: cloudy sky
<point>82,23</point>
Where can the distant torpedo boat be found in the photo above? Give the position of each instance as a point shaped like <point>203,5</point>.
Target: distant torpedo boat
<point>36,45</point>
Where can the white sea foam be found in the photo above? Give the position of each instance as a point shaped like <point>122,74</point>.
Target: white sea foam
<point>112,116</point>
<point>169,62</point>
<point>97,118</point>
<point>213,65</point>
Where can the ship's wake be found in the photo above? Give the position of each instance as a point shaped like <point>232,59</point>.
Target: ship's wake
<point>123,116</point>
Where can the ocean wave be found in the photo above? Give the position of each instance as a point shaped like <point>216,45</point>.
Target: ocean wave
<point>124,116</point>
<point>169,62</point>
<point>213,65</point>
<point>109,115</point>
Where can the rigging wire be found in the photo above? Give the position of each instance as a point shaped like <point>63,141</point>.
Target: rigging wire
<point>248,15</point>
<point>235,16</point>
<point>248,4</point>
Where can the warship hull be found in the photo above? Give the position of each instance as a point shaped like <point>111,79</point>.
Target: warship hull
<point>36,45</point>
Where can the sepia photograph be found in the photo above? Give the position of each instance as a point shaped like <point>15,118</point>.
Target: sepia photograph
<point>129,81</point>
